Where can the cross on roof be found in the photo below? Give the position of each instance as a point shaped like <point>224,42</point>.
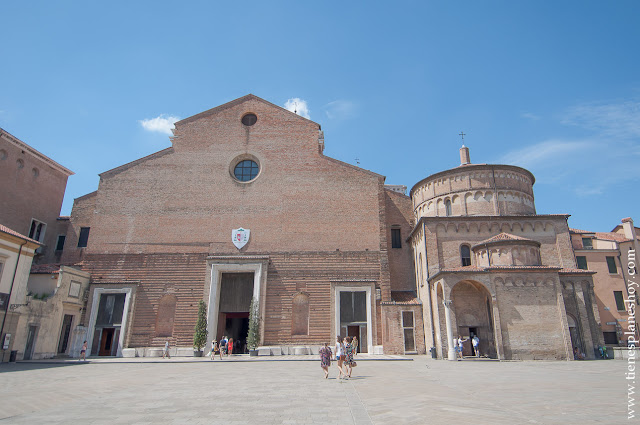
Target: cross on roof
<point>462,135</point>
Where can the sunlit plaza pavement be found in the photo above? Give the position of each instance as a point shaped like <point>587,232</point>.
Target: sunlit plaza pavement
<point>385,391</point>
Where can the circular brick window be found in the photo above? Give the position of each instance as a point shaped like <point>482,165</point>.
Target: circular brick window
<point>249,119</point>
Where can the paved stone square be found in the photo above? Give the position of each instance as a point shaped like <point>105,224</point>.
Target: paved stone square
<point>422,391</point>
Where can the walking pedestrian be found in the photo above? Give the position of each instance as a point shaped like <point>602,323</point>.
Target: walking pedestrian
<point>83,352</point>
<point>325,359</point>
<point>230,347</point>
<point>214,348</point>
<point>348,356</point>
<point>340,356</point>
<point>223,345</point>
<point>165,351</point>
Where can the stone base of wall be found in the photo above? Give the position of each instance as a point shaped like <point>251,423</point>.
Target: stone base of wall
<point>285,350</point>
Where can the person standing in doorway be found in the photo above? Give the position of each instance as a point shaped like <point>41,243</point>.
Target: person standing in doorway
<point>230,347</point>
<point>83,352</point>
<point>223,345</point>
<point>460,345</point>
<point>165,351</point>
<point>325,359</point>
<point>340,356</point>
<point>476,345</point>
<point>354,344</point>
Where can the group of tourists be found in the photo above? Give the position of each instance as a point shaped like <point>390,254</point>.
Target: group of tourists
<point>225,347</point>
<point>458,344</point>
<point>345,349</point>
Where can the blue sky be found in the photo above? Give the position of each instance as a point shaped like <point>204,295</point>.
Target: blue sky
<point>550,86</point>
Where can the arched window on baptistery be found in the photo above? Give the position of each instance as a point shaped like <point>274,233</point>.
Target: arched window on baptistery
<point>447,208</point>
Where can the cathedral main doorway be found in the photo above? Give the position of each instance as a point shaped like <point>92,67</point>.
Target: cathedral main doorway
<point>236,292</point>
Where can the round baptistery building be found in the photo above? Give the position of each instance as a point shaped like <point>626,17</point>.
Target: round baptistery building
<point>475,190</point>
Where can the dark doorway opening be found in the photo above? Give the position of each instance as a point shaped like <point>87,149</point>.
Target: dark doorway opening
<point>472,332</point>
<point>235,300</point>
<point>64,334</point>
<point>106,342</point>
<point>31,342</point>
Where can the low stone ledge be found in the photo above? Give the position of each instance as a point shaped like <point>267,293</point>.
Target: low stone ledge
<point>154,352</point>
<point>184,352</point>
<point>264,351</point>
<point>300,351</point>
<point>276,351</point>
<point>128,352</point>
<point>378,349</point>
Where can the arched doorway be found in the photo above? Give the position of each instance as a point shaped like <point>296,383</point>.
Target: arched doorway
<point>473,311</point>
<point>574,332</point>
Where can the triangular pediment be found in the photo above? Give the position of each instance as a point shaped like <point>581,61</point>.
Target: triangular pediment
<point>238,101</point>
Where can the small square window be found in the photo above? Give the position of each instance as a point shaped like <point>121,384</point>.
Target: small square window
<point>587,243</point>
<point>582,262</point>
<point>611,263</point>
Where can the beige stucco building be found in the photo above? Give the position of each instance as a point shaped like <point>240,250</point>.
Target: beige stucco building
<point>57,296</point>
<point>607,254</point>
<point>488,265</point>
<point>16,256</point>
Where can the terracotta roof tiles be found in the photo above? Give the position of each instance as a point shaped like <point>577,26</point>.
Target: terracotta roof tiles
<point>8,231</point>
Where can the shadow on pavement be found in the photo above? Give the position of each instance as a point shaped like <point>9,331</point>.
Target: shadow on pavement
<point>22,366</point>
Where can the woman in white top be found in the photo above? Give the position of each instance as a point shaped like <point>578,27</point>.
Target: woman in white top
<point>340,357</point>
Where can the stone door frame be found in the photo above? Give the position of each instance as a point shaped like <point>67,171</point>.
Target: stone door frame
<point>217,266</point>
<point>97,292</point>
<point>336,300</point>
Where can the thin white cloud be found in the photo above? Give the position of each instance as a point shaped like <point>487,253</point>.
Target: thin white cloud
<point>530,116</point>
<point>340,109</point>
<point>160,124</point>
<point>619,120</point>
<point>299,106</point>
<point>547,152</point>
